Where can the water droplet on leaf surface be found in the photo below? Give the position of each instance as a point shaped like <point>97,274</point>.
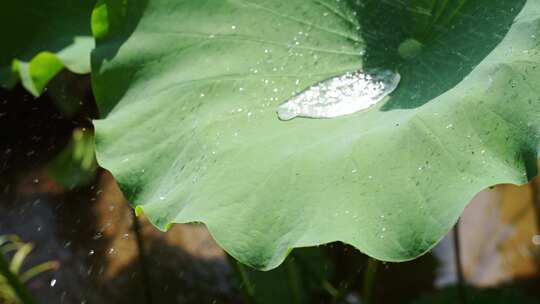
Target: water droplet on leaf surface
<point>341,95</point>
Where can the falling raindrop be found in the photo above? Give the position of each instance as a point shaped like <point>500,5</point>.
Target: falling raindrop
<point>53,282</point>
<point>341,95</point>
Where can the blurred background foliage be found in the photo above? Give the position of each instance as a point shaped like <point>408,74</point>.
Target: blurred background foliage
<point>14,273</point>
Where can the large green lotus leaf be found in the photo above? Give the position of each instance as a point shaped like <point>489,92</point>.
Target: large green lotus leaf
<point>40,38</point>
<point>188,92</point>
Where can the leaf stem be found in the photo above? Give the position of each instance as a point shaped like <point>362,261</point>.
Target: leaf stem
<point>369,280</point>
<point>459,265</point>
<point>294,281</point>
<point>535,198</point>
<point>243,278</point>
<point>325,284</point>
<point>142,258</point>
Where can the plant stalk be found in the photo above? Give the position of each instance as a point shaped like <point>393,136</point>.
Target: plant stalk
<point>369,280</point>
<point>535,197</point>
<point>294,281</point>
<point>242,276</point>
<point>459,265</point>
<point>535,190</point>
<point>325,284</point>
<point>142,258</point>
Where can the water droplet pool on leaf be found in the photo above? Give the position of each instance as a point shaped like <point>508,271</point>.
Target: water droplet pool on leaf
<point>341,95</point>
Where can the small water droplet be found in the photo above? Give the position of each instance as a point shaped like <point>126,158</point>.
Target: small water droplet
<point>53,282</point>
<point>341,95</point>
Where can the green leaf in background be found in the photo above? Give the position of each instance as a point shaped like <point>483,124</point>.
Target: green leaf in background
<point>76,164</point>
<point>188,92</point>
<point>40,38</point>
